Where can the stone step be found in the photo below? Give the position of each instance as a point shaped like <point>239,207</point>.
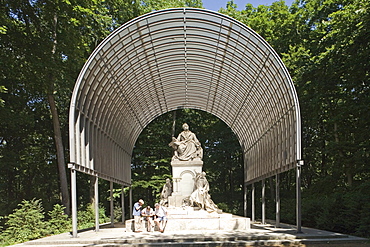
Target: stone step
<point>211,243</point>
<point>193,212</point>
<point>265,235</point>
<point>184,224</point>
<point>270,243</point>
<point>173,238</point>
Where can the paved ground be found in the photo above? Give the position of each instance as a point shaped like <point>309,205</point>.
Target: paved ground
<point>259,235</point>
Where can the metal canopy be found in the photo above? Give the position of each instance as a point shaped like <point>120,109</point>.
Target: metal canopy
<point>183,58</point>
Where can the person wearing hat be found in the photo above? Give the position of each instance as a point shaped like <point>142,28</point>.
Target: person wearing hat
<point>161,216</point>
<point>136,212</point>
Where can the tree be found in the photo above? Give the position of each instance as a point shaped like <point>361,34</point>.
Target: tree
<point>150,5</point>
<point>325,46</point>
<point>47,43</point>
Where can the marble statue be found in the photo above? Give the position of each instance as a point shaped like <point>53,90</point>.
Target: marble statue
<point>166,192</point>
<point>200,196</point>
<point>186,146</point>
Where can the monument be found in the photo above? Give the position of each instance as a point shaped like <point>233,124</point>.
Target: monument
<point>187,198</point>
<point>190,185</point>
<point>186,164</point>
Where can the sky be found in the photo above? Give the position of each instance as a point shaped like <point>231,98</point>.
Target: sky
<point>217,4</point>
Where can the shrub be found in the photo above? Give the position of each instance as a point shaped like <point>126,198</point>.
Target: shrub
<point>117,213</point>
<point>59,222</point>
<point>86,218</point>
<point>26,223</point>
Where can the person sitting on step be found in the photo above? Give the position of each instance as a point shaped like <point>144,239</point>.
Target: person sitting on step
<point>148,215</point>
<point>160,216</point>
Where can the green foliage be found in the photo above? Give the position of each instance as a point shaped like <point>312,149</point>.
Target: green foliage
<point>151,5</point>
<point>342,211</point>
<point>44,45</point>
<point>223,206</point>
<point>151,159</point>
<point>59,221</point>
<point>117,210</point>
<point>324,44</point>
<point>2,90</point>
<point>26,223</point>
<point>86,216</point>
<point>274,23</point>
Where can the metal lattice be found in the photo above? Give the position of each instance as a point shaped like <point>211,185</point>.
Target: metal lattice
<point>183,58</point>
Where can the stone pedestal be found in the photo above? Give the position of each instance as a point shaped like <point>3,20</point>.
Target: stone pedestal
<point>188,218</point>
<point>183,176</point>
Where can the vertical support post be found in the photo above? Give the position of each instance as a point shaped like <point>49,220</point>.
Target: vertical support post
<point>123,204</point>
<point>245,199</point>
<point>263,202</point>
<point>298,201</point>
<point>253,204</point>
<point>96,195</point>
<point>74,200</point>
<point>277,225</point>
<point>131,201</point>
<point>111,204</point>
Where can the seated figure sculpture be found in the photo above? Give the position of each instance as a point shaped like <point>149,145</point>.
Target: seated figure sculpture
<point>166,192</point>
<point>186,146</point>
<point>200,196</point>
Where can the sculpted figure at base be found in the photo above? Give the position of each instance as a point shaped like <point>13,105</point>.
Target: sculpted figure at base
<point>186,146</point>
<point>200,196</point>
<point>166,192</point>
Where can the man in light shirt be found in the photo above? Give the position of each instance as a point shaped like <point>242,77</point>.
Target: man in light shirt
<point>136,212</point>
<point>161,216</point>
<point>148,215</point>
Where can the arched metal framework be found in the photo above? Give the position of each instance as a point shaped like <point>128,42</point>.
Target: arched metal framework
<point>183,58</point>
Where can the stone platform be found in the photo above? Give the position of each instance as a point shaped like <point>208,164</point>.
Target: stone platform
<point>258,235</point>
<point>188,218</point>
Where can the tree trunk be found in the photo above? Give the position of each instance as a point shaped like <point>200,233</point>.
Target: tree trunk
<point>92,190</point>
<point>57,132</point>
<point>347,167</point>
<point>60,154</point>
